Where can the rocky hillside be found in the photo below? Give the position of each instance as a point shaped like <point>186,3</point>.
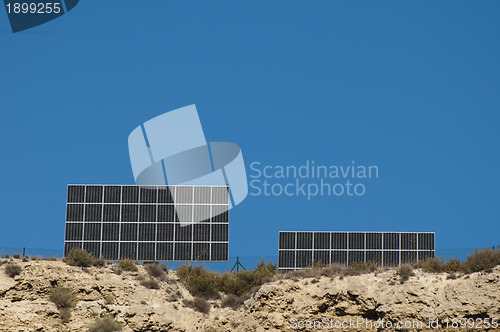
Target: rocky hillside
<point>281,305</point>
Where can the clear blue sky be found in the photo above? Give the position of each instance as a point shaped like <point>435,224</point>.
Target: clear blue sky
<point>412,87</point>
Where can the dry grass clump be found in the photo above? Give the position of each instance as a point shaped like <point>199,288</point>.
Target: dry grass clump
<point>13,270</point>
<point>64,299</point>
<point>99,262</point>
<point>79,257</point>
<point>404,272</point>
<point>198,304</point>
<point>451,276</point>
<point>155,271</point>
<point>127,265</point>
<point>52,258</point>
<point>106,324</point>
<point>174,296</point>
<point>432,265</point>
<point>359,268</point>
<point>333,270</point>
<point>201,305</point>
<point>150,283</point>
<point>109,299</point>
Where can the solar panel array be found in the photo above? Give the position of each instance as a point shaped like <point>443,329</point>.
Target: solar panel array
<point>301,249</point>
<point>149,223</point>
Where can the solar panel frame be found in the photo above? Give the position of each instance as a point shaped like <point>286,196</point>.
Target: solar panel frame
<point>299,249</point>
<point>149,223</point>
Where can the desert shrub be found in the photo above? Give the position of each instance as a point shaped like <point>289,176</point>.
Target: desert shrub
<point>201,282</point>
<point>198,280</point>
<point>2,262</point>
<point>99,262</point>
<point>106,324</point>
<point>233,301</point>
<point>16,256</point>
<point>79,257</point>
<point>264,272</point>
<point>184,271</point>
<point>481,260</point>
<point>127,265</point>
<point>264,269</point>
<point>64,299</point>
<point>150,283</point>
<point>13,270</point>
<point>155,271</point>
<point>6,256</point>
<point>452,265</point>
<point>404,272</point>
<point>359,268</point>
<point>37,258</point>
<point>242,282</point>
<point>230,283</point>
<point>26,259</point>
<point>239,283</point>
<point>163,266</point>
<point>432,265</point>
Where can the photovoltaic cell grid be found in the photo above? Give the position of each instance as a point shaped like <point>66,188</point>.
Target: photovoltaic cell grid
<point>300,249</point>
<point>149,223</point>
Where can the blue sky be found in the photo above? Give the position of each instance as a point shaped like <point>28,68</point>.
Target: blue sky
<point>410,87</point>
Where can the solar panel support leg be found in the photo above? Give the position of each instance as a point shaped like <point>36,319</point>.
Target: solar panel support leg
<point>237,265</point>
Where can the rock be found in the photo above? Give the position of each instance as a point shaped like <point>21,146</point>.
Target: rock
<point>25,303</point>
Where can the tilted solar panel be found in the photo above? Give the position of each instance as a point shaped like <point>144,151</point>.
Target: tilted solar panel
<point>298,249</point>
<point>149,223</point>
